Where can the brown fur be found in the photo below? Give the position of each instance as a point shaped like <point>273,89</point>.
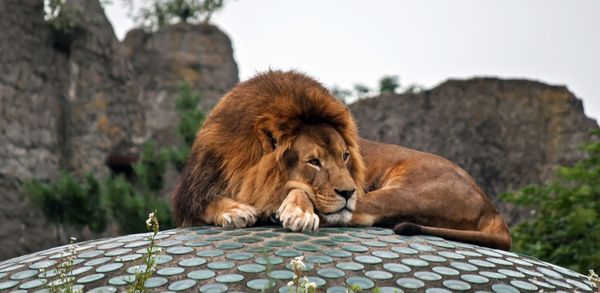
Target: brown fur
<point>238,153</point>
<point>426,194</point>
<point>252,159</point>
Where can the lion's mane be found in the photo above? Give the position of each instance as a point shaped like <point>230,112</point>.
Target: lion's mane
<point>239,149</point>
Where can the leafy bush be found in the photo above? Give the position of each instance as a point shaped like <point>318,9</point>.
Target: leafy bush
<point>125,201</point>
<point>158,13</point>
<point>189,117</point>
<point>340,94</point>
<point>149,169</point>
<point>361,91</point>
<point>60,199</point>
<point>565,226</point>
<point>388,84</point>
<point>129,207</point>
<point>187,10</point>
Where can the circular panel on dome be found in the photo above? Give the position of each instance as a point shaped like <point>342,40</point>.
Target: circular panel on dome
<point>362,282</point>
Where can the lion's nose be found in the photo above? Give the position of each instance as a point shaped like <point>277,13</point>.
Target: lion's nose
<point>346,194</point>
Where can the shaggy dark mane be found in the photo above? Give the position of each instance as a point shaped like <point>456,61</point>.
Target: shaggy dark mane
<point>257,117</point>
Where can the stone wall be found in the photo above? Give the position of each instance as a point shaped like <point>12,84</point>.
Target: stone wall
<point>505,133</point>
<point>68,108</point>
<point>200,55</point>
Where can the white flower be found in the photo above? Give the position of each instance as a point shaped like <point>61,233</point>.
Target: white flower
<point>73,239</point>
<point>304,283</point>
<point>297,263</point>
<point>593,277</point>
<point>290,284</point>
<point>149,220</point>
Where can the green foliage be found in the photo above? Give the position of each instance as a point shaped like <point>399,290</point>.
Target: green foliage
<point>565,226</point>
<point>122,200</point>
<point>150,167</point>
<point>128,206</point>
<point>388,84</point>
<point>62,29</point>
<point>189,117</point>
<point>186,10</point>
<point>361,90</point>
<point>158,13</point>
<point>211,6</point>
<point>151,16</point>
<point>340,93</point>
<point>179,155</point>
<point>59,199</point>
<point>53,16</point>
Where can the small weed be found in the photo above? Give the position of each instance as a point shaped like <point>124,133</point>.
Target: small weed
<point>300,284</point>
<point>141,277</point>
<point>593,277</point>
<point>64,270</point>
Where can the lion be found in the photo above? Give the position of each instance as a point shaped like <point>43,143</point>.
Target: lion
<point>280,145</point>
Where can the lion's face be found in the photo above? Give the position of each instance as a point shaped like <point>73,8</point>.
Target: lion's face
<point>318,162</point>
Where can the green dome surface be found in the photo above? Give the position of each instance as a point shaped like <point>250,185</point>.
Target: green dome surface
<point>213,259</point>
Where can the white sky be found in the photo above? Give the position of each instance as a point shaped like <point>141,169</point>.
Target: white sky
<point>423,42</point>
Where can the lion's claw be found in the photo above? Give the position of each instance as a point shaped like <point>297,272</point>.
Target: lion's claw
<point>239,217</point>
<point>295,219</point>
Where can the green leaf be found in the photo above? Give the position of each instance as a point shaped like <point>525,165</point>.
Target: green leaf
<point>565,228</point>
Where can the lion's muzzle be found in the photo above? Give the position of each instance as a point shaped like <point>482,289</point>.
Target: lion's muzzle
<point>343,215</point>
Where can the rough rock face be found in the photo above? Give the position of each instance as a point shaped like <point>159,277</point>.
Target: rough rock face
<point>66,109</point>
<point>505,133</point>
<point>59,110</point>
<point>200,55</point>
<point>29,122</point>
<point>101,116</point>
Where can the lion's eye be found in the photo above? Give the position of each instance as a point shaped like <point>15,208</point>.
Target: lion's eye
<point>346,156</point>
<point>315,162</point>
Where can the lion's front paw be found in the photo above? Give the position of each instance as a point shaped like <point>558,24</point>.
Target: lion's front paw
<point>296,214</point>
<point>240,216</point>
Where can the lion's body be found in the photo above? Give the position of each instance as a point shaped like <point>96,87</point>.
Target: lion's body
<point>255,157</point>
<point>412,187</point>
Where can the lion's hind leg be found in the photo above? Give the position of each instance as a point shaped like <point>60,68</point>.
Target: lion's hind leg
<point>229,213</point>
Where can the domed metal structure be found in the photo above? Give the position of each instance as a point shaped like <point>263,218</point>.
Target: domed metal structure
<point>211,259</point>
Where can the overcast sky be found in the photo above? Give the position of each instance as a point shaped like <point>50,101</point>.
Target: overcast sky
<point>423,42</point>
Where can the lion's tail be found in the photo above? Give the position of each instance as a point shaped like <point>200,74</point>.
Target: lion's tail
<point>501,240</point>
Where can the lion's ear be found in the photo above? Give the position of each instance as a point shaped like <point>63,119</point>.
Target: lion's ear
<point>266,134</point>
